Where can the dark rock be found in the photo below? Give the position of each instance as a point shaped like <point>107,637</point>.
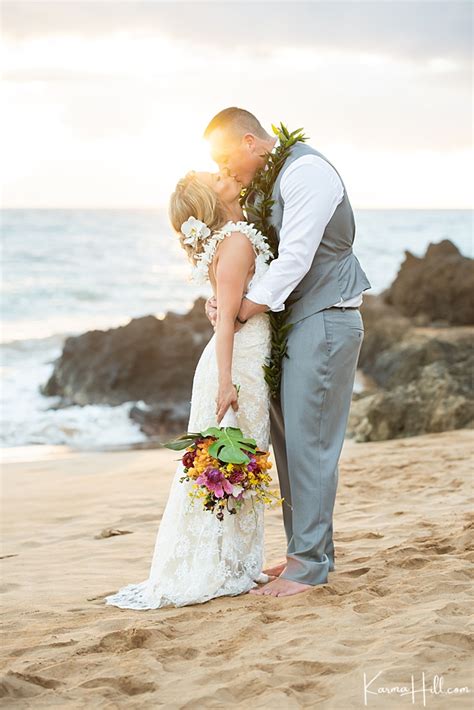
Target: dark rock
<point>162,419</point>
<point>425,374</point>
<point>435,402</point>
<point>383,326</point>
<point>405,362</point>
<point>149,360</point>
<point>438,287</point>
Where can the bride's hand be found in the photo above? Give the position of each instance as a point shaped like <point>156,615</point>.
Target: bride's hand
<point>226,396</point>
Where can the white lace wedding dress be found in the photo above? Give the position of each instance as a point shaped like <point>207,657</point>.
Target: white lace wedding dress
<point>196,556</point>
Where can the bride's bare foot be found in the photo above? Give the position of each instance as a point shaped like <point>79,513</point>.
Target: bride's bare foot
<point>281,587</point>
<point>275,571</point>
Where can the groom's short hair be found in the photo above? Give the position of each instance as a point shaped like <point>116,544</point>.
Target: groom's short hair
<point>237,120</point>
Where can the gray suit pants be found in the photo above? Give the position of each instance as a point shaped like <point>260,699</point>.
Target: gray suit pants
<point>308,424</point>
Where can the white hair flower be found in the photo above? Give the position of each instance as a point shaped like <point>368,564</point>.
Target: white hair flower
<point>194,230</point>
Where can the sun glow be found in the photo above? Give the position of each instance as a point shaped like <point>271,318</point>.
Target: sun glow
<point>117,119</point>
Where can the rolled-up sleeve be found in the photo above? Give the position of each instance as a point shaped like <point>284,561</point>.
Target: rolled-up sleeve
<point>311,190</point>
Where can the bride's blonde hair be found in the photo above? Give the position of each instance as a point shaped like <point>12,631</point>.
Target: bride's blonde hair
<point>192,198</point>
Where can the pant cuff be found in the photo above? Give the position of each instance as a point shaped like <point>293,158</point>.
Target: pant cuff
<point>307,571</point>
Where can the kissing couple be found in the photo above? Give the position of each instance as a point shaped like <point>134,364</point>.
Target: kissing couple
<point>272,233</point>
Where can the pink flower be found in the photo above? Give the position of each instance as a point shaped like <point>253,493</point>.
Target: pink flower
<point>215,481</point>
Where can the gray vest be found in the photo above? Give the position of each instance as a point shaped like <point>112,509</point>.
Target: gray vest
<point>335,273</point>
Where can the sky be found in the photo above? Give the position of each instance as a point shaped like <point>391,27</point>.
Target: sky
<point>104,103</point>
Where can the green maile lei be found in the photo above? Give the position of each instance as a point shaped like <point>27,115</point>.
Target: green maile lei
<point>262,187</point>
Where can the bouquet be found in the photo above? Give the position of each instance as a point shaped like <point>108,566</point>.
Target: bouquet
<point>225,467</point>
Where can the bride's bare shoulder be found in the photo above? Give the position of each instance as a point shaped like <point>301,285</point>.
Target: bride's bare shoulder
<point>234,253</point>
<point>235,244</point>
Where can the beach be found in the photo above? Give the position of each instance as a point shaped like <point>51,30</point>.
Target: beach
<point>395,607</point>
<point>137,135</point>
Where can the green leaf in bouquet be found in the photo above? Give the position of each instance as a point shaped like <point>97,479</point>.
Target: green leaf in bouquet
<point>229,446</point>
<point>182,442</point>
<point>211,431</point>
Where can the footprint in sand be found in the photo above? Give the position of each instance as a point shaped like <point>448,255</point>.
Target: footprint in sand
<point>127,685</point>
<point>24,685</point>
<point>455,640</point>
<point>373,610</point>
<point>452,609</point>
<point>269,618</point>
<point>350,537</point>
<point>357,572</point>
<point>128,639</point>
<point>413,563</point>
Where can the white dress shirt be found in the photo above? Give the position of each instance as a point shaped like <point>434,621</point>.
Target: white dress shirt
<point>311,190</point>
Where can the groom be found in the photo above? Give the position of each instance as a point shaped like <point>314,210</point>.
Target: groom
<point>318,275</point>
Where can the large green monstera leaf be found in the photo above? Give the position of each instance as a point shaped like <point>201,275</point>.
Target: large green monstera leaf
<point>228,446</point>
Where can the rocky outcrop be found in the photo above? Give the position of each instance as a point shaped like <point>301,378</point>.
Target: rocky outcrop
<point>419,364</point>
<point>148,360</point>
<point>159,420</point>
<point>384,327</point>
<point>438,287</point>
<point>424,375</point>
<point>415,351</point>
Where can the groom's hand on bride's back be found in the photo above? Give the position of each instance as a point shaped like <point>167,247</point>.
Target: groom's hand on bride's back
<point>211,310</point>
<point>211,313</point>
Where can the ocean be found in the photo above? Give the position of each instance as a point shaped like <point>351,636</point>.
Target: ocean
<point>68,271</point>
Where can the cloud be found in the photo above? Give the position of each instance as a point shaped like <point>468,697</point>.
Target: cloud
<point>419,28</point>
<point>383,88</point>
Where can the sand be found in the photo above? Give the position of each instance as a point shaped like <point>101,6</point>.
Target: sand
<point>397,603</point>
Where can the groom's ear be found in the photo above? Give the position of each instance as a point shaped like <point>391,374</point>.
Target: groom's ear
<point>248,139</point>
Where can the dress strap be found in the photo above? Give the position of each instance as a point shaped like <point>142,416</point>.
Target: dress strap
<point>200,272</point>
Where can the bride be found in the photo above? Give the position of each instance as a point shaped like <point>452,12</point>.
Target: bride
<point>198,557</point>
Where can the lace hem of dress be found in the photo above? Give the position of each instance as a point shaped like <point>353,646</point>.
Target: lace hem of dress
<point>146,595</point>
<point>198,557</point>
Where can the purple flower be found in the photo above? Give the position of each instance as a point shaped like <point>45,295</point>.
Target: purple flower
<point>215,481</point>
<point>252,465</point>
